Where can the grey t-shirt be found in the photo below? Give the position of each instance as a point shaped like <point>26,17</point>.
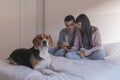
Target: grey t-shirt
<point>66,35</point>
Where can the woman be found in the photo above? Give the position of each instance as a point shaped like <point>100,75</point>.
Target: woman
<point>87,43</point>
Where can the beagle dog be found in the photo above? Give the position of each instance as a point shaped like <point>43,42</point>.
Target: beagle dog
<point>36,57</point>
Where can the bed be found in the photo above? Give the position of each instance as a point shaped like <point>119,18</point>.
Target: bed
<point>107,69</point>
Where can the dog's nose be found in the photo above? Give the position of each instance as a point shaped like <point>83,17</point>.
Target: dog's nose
<point>44,43</point>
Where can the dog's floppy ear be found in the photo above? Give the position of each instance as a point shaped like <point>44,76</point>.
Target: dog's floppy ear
<point>35,41</point>
<point>51,41</point>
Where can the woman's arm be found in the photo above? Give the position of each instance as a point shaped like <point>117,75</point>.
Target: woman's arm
<point>97,43</point>
<point>76,41</point>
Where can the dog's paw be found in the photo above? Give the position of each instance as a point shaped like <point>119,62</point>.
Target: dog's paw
<point>57,69</point>
<point>47,72</point>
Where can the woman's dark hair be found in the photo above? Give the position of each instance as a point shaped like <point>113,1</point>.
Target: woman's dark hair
<point>86,31</point>
<point>69,18</point>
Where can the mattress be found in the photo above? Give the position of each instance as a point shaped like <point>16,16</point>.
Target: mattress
<point>107,69</point>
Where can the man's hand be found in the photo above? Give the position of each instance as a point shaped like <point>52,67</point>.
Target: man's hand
<point>68,50</point>
<point>63,45</point>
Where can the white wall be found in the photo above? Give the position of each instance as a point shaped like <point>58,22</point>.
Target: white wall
<point>56,10</point>
<point>20,21</point>
<point>9,26</point>
<point>104,14</point>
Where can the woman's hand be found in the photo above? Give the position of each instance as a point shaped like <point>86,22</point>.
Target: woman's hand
<point>85,52</point>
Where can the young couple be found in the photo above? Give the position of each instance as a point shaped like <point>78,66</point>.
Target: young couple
<point>79,40</point>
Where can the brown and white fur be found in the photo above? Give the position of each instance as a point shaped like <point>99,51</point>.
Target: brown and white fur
<point>41,42</point>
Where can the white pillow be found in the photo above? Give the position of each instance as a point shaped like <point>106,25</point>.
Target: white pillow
<point>112,49</point>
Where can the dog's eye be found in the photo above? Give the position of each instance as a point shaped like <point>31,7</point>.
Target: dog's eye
<point>47,37</point>
<point>40,38</point>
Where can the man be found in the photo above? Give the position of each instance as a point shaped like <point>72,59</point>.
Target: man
<point>66,36</point>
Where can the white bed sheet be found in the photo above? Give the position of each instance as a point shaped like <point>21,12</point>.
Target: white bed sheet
<point>107,69</point>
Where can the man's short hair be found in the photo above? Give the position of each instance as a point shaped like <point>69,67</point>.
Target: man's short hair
<point>69,18</point>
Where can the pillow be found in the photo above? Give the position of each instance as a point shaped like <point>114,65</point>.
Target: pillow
<point>112,49</point>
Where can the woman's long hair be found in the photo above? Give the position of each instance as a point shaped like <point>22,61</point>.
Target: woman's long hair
<point>86,31</point>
